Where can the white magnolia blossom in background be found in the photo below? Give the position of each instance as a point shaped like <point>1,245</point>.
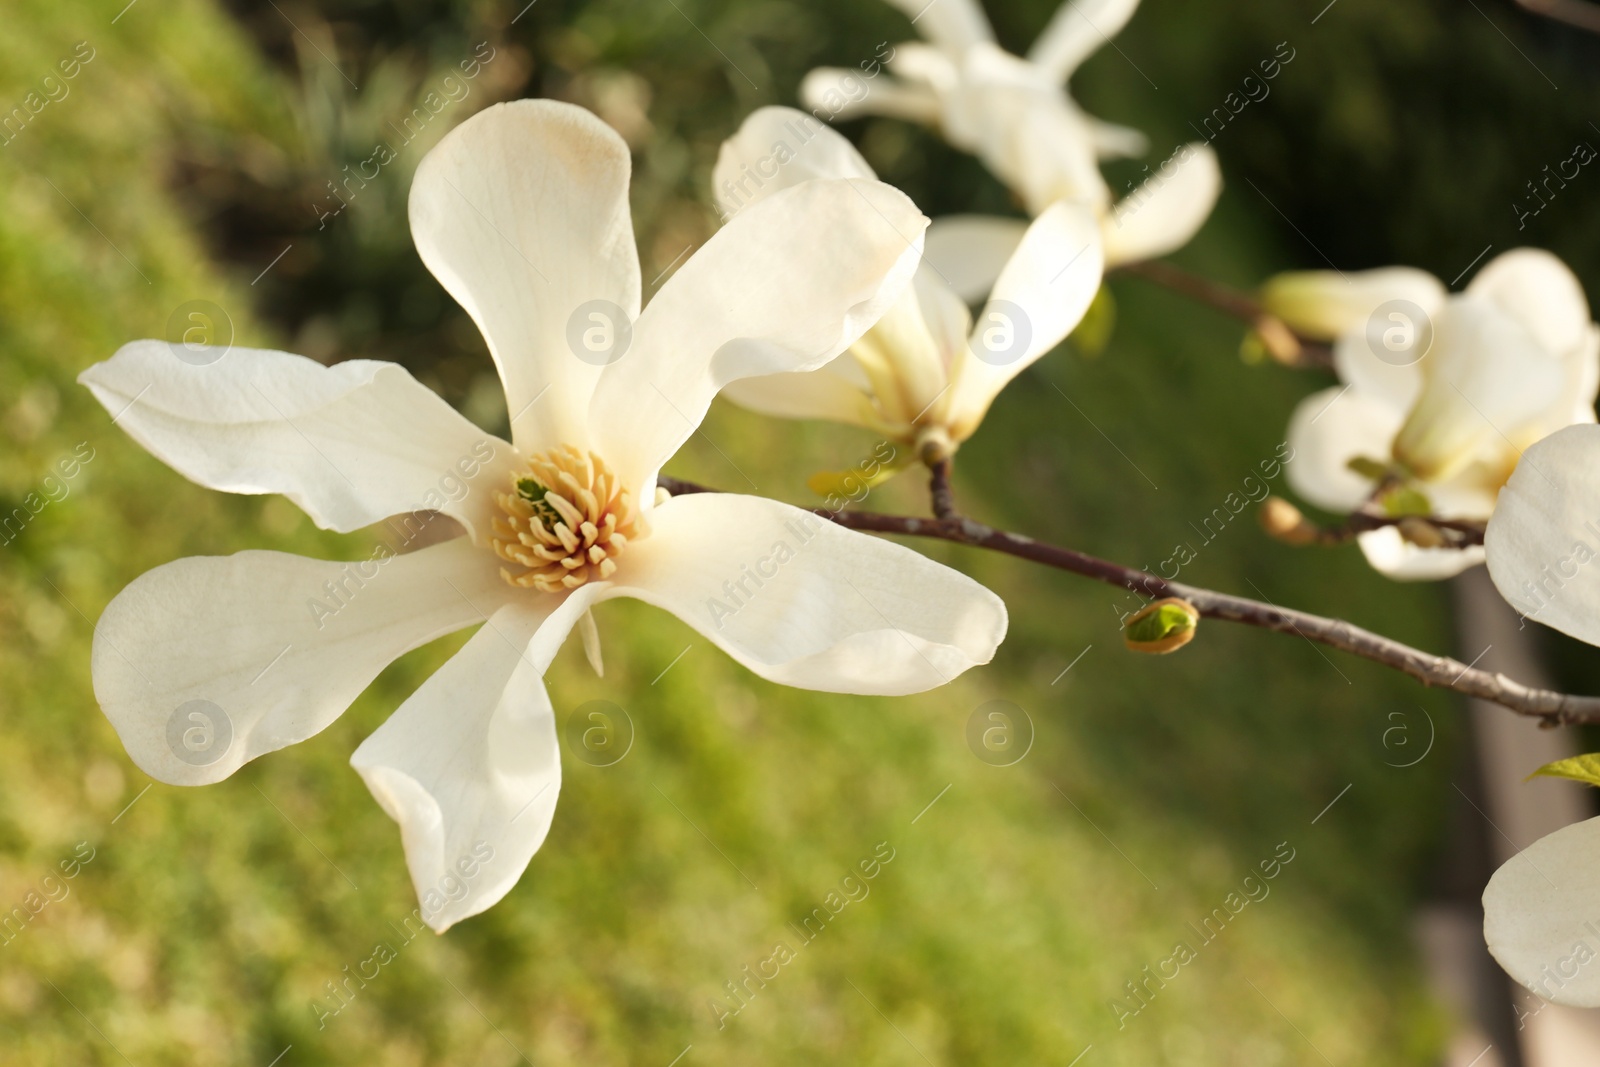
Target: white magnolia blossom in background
<point>1441,393</point>
<point>522,214</point>
<point>1542,908</point>
<point>924,375</point>
<point>1016,115</point>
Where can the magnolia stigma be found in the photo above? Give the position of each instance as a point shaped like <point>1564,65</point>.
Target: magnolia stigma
<point>566,519</point>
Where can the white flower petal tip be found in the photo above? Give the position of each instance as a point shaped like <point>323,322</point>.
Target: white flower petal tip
<point>470,768</point>
<point>1544,537</point>
<point>804,602</point>
<point>1040,297</point>
<point>1541,916</point>
<point>352,444</point>
<point>1165,212</point>
<point>205,663</point>
<point>1539,291</point>
<point>776,148</point>
<point>521,213</point>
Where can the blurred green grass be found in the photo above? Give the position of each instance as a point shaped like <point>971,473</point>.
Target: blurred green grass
<point>1019,904</point>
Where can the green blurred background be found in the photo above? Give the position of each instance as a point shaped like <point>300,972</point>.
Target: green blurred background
<point>190,152</point>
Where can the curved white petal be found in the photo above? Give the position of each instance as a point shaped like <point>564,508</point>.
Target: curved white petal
<point>778,147</point>
<point>804,602</point>
<point>1391,375</point>
<point>276,645</point>
<point>521,212</point>
<point>1077,30</point>
<point>829,392</point>
<point>1539,291</point>
<point>352,444</point>
<point>786,285</point>
<point>1039,298</point>
<point>834,93</point>
<point>1487,381</point>
<point>1161,215</point>
<point>1540,915</point>
<point>1328,430</point>
<point>1112,141</point>
<point>1391,555</point>
<point>1323,304</point>
<point>470,766</point>
<point>954,25</point>
<point>1545,534</point>
<point>969,251</point>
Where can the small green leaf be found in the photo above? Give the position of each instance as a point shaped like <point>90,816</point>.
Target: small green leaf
<point>1164,626</point>
<point>1584,769</point>
<point>1403,500</point>
<point>1093,332</point>
<point>1368,468</point>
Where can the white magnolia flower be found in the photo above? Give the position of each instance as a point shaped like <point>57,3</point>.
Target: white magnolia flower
<point>1441,394</point>
<point>1016,115</point>
<point>924,375</point>
<point>522,215</point>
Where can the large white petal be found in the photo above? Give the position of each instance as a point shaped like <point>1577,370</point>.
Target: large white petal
<point>1077,30</point>
<point>829,392</point>
<point>1392,555</point>
<point>470,767</point>
<point>954,25</point>
<point>1039,298</point>
<point>1541,915</point>
<point>775,148</point>
<point>969,251</point>
<point>1545,534</point>
<point>1328,430</point>
<point>834,93</point>
<point>786,285</point>
<point>1161,215</point>
<point>352,444</point>
<point>1539,291</point>
<point>804,602</point>
<point>1487,381</point>
<point>1323,304</point>
<point>521,212</point>
<point>277,645</point>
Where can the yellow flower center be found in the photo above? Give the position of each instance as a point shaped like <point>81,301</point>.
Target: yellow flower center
<point>566,521</point>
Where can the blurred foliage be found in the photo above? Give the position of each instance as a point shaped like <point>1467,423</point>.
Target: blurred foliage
<point>198,145</point>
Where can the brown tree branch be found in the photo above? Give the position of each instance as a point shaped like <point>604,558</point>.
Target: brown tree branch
<point>1282,343</point>
<point>1550,707</point>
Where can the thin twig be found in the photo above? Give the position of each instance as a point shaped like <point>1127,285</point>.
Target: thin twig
<point>1282,343</point>
<point>1550,707</point>
<point>944,499</point>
